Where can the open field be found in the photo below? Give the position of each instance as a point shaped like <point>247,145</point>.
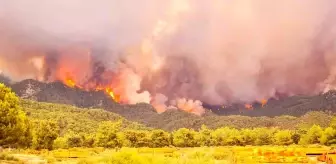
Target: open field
<point>208,155</point>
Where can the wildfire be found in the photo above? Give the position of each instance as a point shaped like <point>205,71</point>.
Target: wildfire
<point>70,83</point>
<point>110,92</point>
<point>248,106</point>
<point>263,102</point>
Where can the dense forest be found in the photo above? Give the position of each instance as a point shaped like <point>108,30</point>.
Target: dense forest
<point>27,123</point>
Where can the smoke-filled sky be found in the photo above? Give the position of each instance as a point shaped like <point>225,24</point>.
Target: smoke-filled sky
<point>215,51</point>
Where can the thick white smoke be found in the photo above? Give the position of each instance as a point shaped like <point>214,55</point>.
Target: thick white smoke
<point>215,51</point>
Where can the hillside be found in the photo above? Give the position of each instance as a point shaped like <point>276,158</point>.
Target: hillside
<point>71,118</point>
<point>56,92</point>
<point>296,108</point>
<point>294,105</point>
<point>76,119</point>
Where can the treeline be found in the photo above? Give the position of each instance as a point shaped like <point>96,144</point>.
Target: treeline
<point>109,135</point>
<point>49,127</point>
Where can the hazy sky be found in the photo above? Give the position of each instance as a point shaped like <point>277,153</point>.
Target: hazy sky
<point>219,51</point>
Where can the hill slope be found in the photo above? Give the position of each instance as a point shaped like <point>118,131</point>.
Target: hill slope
<point>145,114</point>
<point>76,119</point>
<point>71,118</point>
<point>57,92</point>
<point>294,105</point>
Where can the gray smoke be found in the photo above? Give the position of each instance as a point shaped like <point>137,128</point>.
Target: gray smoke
<point>214,51</point>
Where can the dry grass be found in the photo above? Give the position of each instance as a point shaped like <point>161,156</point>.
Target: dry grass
<point>170,155</point>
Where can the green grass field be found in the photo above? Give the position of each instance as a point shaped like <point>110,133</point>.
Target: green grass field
<point>204,155</point>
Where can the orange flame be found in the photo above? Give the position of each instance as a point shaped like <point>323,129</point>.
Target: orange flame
<point>263,102</point>
<point>248,106</point>
<point>110,92</point>
<point>70,83</point>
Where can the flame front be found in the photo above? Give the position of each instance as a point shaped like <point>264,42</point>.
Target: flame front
<point>110,92</point>
<point>70,83</point>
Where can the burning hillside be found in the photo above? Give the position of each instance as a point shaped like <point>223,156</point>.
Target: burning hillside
<point>173,54</point>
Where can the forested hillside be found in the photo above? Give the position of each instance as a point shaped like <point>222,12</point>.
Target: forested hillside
<point>56,92</point>
<point>87,119</point>
<point>49,126</point>
<point>70,118</point>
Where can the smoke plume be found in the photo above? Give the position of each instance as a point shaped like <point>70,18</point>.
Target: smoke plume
<point>180,51</point>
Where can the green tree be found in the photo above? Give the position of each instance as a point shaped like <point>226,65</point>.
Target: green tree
<point>108,134</point>
<point>15,129</point>
<point>264,136</point>
<point>88,140</point>
<point>204,136</point>
<point>283,137</point>
<point>160,138</point>
<point>74,140</point>
<point>328,136</point>
<point>138,138</point>
<point>60,143</point>
<point>313,135</point>
<point>44,135</point>
<point>247,137</point>
<point>185,138</point>
<point>226,136</point>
